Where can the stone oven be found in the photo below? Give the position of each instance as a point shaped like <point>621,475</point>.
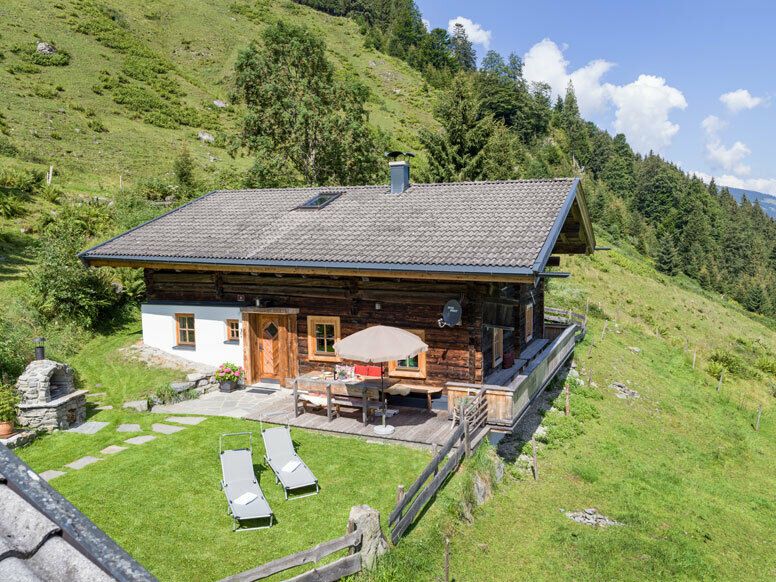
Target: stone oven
<point>49,399</point>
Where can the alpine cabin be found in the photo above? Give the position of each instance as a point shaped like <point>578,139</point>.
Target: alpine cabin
<point>272,278</point>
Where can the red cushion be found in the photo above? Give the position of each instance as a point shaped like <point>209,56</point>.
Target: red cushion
<point>373,371</point>
<point>361,370</point>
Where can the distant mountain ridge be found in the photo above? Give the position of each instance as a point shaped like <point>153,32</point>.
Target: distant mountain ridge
<point>767,201</point>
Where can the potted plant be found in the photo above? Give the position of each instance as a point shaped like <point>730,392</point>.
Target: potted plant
<point>8,401</point>
<point>228,375</point>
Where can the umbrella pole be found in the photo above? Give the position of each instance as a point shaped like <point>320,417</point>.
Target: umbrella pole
<point>382,391</point>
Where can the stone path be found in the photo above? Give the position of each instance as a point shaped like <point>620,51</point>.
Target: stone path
<point>91,427</point>
<point>112,450</point>
<point>140,440</point>
<point>82,462</point>
<point>129,428</point>
<point>166,428</point>
<point>190,420</point>
<point>51,474</point>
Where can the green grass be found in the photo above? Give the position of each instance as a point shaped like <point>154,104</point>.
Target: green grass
<point>682,466</point>
<point>53,115</point>
<point>161,501</point>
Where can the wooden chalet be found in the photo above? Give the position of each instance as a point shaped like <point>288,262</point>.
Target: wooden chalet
<point>270,279</point>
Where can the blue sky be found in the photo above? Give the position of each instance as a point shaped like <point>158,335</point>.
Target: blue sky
<point>657,71</point>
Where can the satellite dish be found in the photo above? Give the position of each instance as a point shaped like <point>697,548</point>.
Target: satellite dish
<point>451,314</point>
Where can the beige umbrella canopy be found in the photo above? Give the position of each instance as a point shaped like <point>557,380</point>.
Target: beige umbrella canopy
<point>380,343</point>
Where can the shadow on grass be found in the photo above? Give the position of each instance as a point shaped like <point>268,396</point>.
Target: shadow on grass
<point>16,250</point>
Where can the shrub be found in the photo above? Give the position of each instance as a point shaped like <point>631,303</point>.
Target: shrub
<point>728,360</point>
<point>50,192</point>
<point>61,286</point>
<point>96,125</point>
<point>7,148</point>
<point>8,401</point>
<point>766,364</point>
<point>13,341</point>
<point>715,369</point>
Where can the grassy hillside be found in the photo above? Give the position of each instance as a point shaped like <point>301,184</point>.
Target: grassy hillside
<point>681,466</point>
<point>135,82</point>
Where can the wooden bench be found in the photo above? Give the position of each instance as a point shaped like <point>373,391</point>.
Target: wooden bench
<point>333,395</point>
<point>429,391</point>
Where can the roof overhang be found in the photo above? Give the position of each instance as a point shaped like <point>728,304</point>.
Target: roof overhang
<point>572,232</point>
<point>380,270</point>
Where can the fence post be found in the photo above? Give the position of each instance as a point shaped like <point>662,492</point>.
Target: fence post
<point>447,559</point>
<point>719,384</point>
<point>399,494</point>
<point>535,464</point>
<point>759,414</point>
<point>434,449</point>
<point>465,421</point>
<point>568,404</point>
<point>603,331</point>
<point>296,398</point>
<point>694,355</point>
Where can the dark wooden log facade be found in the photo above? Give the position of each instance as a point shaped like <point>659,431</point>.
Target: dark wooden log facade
<point>462,353</point>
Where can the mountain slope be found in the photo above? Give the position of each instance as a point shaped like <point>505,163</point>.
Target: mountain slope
<point>767,201</point>
<point>98,116</point>
<point>681,466</point>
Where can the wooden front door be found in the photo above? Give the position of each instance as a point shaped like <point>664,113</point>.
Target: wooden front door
<point>271,355</point>
<point>269,343</point>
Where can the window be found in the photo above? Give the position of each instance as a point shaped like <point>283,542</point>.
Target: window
<point>233,330</point>
<point>529,322</point>
<point>184,329</point>
<point>414,367</point>
<point>322,333</point>
<point>498,346</point>
<point>320,200</point>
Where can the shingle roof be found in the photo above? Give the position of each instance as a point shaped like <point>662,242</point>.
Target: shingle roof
<point>43,537</point>
<point>463,226</point>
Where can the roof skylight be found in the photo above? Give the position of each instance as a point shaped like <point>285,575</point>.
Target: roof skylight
<point>320,200</point>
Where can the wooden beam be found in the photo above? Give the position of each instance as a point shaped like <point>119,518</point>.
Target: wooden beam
<point>417,275</point>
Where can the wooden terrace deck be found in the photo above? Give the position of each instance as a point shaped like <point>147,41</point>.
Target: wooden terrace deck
<point>413,425</point>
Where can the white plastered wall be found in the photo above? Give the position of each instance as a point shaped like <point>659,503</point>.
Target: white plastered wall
<point>209,329</point>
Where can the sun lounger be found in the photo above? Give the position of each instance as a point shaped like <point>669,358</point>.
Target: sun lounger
<point>290,470</point>
<point>244,496</point>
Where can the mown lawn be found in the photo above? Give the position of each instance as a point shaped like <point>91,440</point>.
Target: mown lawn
<point>161,501</point>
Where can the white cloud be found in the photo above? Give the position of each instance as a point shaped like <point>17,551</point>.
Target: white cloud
<point>735,101</point>
<point>766,185</point>
<point>426,22</point>
<point>729,159</point>
<point>475,32</point>
<point>545,63</point>
<point>642,107</point>
<point>642,112</point>
<point>713,124</point>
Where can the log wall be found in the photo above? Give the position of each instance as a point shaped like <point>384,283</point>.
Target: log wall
<point>455,354</point>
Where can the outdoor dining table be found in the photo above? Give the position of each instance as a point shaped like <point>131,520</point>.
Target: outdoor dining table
<point>362,385</point>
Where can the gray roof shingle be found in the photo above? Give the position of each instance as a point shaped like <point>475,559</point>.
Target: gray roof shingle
<point>45,538</point>
<point>463,225</point>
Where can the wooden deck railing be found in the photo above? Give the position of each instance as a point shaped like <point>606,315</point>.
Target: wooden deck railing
<point>568,316</point>
<point>472,416</point>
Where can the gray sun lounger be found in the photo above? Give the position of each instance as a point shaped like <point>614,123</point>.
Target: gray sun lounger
<point>238,479</point>
<point>280,455</point>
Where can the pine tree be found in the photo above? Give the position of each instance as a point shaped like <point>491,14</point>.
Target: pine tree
<point>667,261</point>
<point>462,49</point>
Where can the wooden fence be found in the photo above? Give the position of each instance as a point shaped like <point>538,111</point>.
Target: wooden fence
<point>567,316</point>
<point>472,417</point>
<point>345,566</point>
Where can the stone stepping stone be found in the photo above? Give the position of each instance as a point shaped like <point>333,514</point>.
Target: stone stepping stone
<point>51,474</point>
<point>112,450</point>
<point>166,428</point>
<point>82,462</point>
<point>140,440</point>
<point>90,427</point>
<point>129,428</point>
<point>190,420</point>
<point>139,405</point>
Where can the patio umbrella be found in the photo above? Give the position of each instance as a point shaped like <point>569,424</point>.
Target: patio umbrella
<point>379,344</point>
